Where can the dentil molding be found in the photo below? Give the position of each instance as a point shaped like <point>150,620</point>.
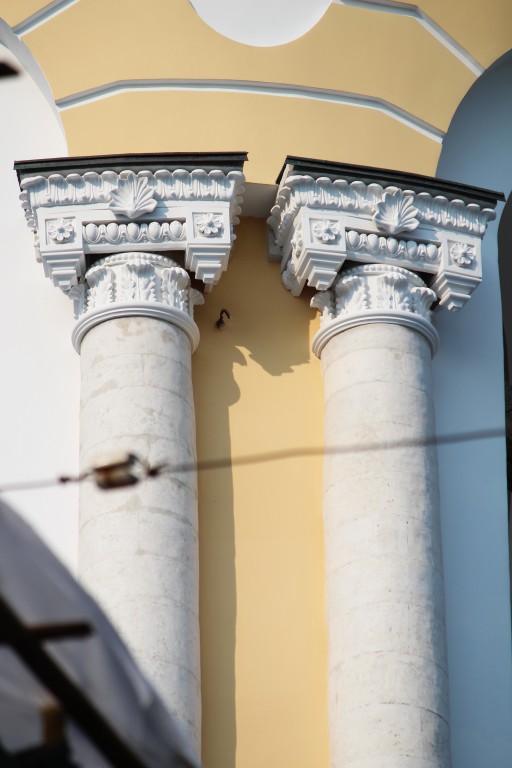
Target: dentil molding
<point>375,293</point>
<point>140,203</point>
<point>135,284</point>
<point>327,213</point>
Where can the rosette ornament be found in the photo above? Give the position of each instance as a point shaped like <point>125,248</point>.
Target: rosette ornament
<point>396,213</point>
<point>462,254</point>
<point>132,197</point>
<point>326,231</point>
<point>61,230</point>
<point>209,224</point>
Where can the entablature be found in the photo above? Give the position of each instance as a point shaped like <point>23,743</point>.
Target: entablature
<point>85,207</point>
<point>327,214</point>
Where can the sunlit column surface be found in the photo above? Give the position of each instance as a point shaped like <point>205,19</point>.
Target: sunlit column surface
<point>381,248</point>
<point>138,548</point>
<point>104,230</point>
<point>388,677</point>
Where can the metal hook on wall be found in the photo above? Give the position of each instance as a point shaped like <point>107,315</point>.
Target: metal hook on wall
<point>220,324</point>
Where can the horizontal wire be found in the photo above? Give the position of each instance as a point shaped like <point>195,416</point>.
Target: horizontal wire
<point>291,453</point>
<point>271,456</point>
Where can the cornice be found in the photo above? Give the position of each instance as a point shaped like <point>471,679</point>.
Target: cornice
<point>78,211</point>
<point>320,221</point>
<point>137,161</point>
<point>164,186</point>
<point>135,284</point>
<point>296,166</point>
<point>358,197</point>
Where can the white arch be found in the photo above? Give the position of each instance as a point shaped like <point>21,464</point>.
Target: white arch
<point>262,23</point>
<point>25,59</point>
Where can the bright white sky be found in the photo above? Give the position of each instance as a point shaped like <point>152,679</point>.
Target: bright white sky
<point>261,22</point>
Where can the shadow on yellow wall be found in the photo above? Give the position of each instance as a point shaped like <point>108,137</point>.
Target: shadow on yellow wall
<point>258,390</point>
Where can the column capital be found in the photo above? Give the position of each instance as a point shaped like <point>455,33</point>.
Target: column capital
<point>375,293</point>
<point>329,213</point>
<point>82,208</point>
<point>135,284</point>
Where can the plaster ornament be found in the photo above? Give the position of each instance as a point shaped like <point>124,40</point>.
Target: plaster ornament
<point>300,190</point>
<point>61,230</point>
<point>290,274</point>
<point>396,212</point>
<point>323,301</point>
<point>134,277</point>
<point>462,254</point>
<point>290,280</point>
<point>390,247</point>
<point>135,284</point>
<point>381,287</point>
<point>92,187</point>
<point>325,230</point>
<point>184,222</point>
<point>209,224</point>
<point>145,232</point>
<point>132,197</point>
<point>375,293</point>
<point>369,217</point>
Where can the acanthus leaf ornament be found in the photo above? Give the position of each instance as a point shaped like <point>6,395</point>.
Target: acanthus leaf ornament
<point>324,302</point>
<point>375,293</point>
<point>396,212</point>
<point>135,284</point>
<point>132,197</point>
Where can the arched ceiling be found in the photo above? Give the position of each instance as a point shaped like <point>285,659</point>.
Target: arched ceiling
<point>373,82</point>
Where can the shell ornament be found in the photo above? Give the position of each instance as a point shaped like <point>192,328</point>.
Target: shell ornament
<point>396,213</point>
<point>132,197</point>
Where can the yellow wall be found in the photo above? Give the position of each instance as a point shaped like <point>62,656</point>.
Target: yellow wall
<point>262,601</point>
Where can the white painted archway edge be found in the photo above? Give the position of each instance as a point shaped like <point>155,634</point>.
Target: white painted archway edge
<point>262,23</point>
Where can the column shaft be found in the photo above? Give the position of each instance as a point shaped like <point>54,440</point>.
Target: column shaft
<point>387,659</point>
<point>138,547</point>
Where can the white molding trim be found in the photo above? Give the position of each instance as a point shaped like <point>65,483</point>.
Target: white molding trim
<point>135,309</point>
<point>283,90</point>
<point>428,23</point>
<point>395,317</point>
<point>42,16</point>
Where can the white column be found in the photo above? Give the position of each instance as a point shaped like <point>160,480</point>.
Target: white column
<point>388,678</point>
<point>388,675</point>
<point>100,227</point>
<point>138,548</point>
